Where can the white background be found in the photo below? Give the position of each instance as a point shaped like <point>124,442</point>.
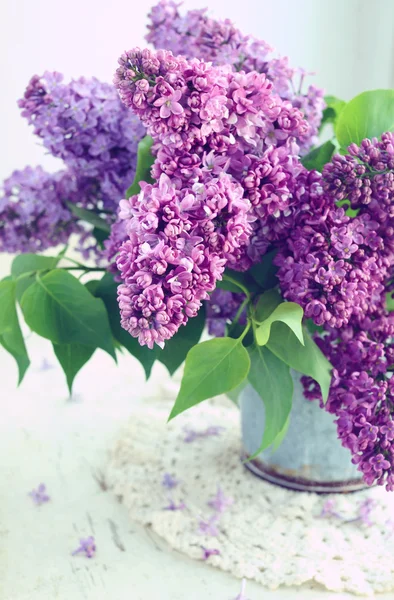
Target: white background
<point>349,43</point>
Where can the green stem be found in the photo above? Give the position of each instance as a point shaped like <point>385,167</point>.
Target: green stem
<point>245,331</point>
<point>235,282</point>
<point>238,315</point>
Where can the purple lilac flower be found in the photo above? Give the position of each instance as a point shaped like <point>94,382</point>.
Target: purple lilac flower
<point>221,310</point>
<point>209,526</point>
<point>169,481</point>
<point>87,546</point>
<point>39,495</point>
<point>207,552</point>
<point>220,502</point>
<point>220,42</point>
<point>362,392</point>
<point>365,178</point>
<point>33,214</point>
<point>330,264</point>
<point>85,124</point>
<point>195,220</point>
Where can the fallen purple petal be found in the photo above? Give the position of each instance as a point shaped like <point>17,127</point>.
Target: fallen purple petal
<point>241,595</point>
<point>208,526</point>
<point>169,481</point>
<point>328,510</point>
<point>87,546</point>
<point>39,495</point>
<point>173,506</point>
<point>220,502</point>
<point>207,552</point>
<point>45,365</point>
<point>192,434</point>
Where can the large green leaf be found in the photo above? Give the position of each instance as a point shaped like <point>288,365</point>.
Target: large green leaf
<point>271,379</point>
<point>26,263</point>
<point>89,216</point>
<point>213,367</point>
<point>289,313</point>
<point>332,111</point>
<point>107,291</point>
<point>72,357</point>
<point>266,304</point>
<point>58,307</point>
<point>10,332</point>
<point>307,359</point>
<point>176,349</point>
<point>368,115</point>
<point>318,157</point>
<point>145,160</point>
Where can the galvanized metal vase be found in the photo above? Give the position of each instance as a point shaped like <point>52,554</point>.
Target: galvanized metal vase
<point>310,457</point>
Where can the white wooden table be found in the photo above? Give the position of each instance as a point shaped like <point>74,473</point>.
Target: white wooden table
<point>47,437</point>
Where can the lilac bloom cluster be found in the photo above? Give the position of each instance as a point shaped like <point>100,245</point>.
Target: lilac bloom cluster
<point>361,347</point>
<point>33,214</point>
<point>85,124</point>
<point>332,265</point>
<point>220,42</point>
<point>209,125</point>
<point>221,310</point>
<point>362,393</point>
<point>365,178</point>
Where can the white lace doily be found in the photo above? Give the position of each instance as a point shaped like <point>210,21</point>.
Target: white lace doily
<point>269,534</point>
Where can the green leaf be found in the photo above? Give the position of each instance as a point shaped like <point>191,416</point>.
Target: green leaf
<point>266,304</point>
<point>265,271</point>
<point>145,160</point>
<point>26,263</point>
<point>72,357</point>
<point>100,236</point>
<point>318,157</point>
<point>234,394</point>
<point>107,291</point>
<point>389,302</point>
<point>212,368</point>
<point>271,379</point>
<point>307,359</point>
<point>58,307</point>
<point>176,349</point>
<point>368,115</point>
<point>92,286</point>
<point>332,111</point>
<point>289,313</point>
<point>89,216</point>
<point>11,337</point>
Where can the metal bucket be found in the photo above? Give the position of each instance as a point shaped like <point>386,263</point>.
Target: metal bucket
<point>310,457</point>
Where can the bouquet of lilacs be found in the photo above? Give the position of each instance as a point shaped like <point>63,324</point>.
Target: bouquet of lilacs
<point>228,214</point>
